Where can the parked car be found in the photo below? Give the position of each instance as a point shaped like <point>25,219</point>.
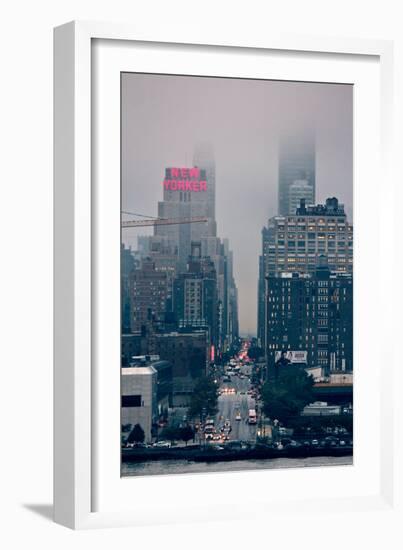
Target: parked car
<point>162,444</point>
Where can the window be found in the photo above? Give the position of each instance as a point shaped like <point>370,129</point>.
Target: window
<point>131,400</point>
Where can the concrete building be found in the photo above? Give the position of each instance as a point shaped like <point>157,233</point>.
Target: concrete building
<point>132,344</point>
<point>188,354</point>
<point>294,243</point>
<point>149,293</point>
<point>139,398</point>
<point>206,299</point>
<point>341,377</point>
<point>187,192</point>
<point>164,385</point>
<point>312,312</point>
<point>296,162</point>
<point>261,300</point>
<point>190,192</point>
<point>195,297</point>
<point>317,373</point>
<point>321,408</point>
<point>127,264</point>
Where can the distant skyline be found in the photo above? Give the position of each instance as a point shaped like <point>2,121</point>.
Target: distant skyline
<point>164,117</point>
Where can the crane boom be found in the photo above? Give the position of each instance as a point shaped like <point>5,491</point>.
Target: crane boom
<point>161,221</point>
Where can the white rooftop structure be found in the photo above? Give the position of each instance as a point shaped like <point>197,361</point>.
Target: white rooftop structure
<point>129,371</point>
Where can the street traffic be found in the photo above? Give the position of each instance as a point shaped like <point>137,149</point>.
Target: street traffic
<point>234,420</point>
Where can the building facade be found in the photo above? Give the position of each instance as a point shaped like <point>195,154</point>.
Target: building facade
<point>139,399</point>
<point>188,354</point>
<point>312,313</point>
<point>195,295</point>
<point>132,344</point>
<point>149,294</point>
<point>187,192</point>
<point>294,243</point>
<point>127,265</point>
<point>183,280</point>
<point>164,385</point>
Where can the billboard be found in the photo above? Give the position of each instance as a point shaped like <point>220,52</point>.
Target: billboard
<point>292,356</point>
<point>185,179</point>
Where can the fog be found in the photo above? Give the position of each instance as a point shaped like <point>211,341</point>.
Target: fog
<point>163,117</point>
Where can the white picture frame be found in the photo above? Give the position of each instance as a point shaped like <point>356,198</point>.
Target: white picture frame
<point>88,491</point>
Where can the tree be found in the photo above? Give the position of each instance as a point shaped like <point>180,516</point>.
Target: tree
<point>204,396</point>
<point>170,433</point>
<point>186,433</point>
<point>286,396</point>
<point>137,435</point>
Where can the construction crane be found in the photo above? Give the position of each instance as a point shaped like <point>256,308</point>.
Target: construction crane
<point>150,222</point>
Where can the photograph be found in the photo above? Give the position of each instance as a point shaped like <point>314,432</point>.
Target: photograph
<point>236,274</point>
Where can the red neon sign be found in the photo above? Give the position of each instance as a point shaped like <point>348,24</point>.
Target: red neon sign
<point>184,179</point>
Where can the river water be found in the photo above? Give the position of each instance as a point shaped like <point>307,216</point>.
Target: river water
<point>168,467</point>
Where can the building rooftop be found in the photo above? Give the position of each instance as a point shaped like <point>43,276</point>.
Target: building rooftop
<point>126,371</point>
<point>176,334</point>
<point>298,275</point>
<point>332,207</point>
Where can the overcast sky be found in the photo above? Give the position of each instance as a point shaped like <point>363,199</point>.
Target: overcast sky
<point>163,117</point>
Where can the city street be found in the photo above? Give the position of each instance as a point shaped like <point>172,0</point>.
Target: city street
<point>229,404</point>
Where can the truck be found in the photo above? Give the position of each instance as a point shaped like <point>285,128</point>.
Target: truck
<point>252,416</point>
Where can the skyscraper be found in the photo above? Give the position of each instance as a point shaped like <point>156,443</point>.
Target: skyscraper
<point>200,292</point>
<point>299,190</point>
<point>203,157</point>
<point>292,249</point>
<point>311,313</point>
<point>149,293</point>
<point>195,300</point>
<point>187,192</point>
<point>294,243</point>
<point>296,162</point>
<point>261,315</point>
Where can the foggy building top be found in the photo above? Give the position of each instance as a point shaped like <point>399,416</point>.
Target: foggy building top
<point>296,162</point>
